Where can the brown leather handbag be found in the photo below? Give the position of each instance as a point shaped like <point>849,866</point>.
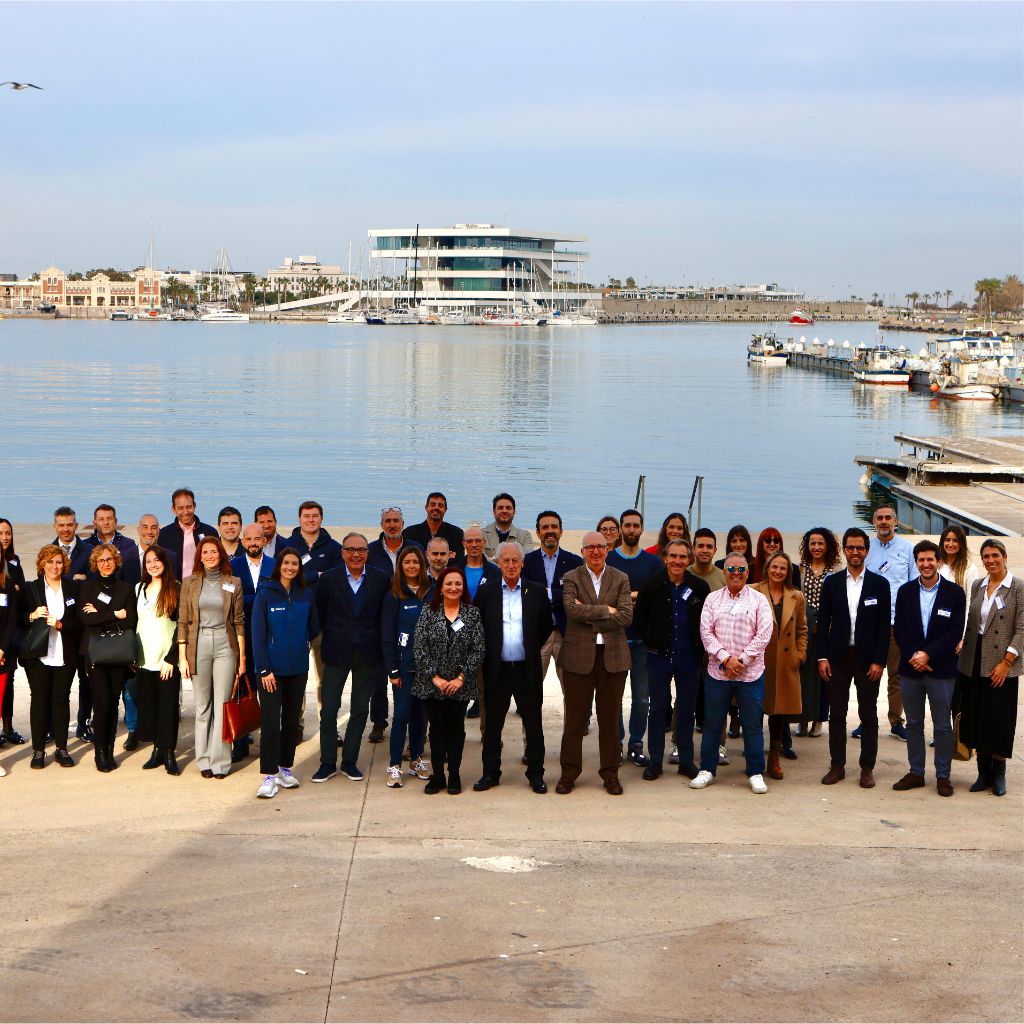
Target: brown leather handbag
<point>241,712</point>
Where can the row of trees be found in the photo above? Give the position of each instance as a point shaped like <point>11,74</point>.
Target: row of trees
<point>1000,296</point>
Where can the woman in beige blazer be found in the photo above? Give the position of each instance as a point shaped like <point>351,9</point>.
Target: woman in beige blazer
<point>211,649</point>
<point>990,667</point>
<point>783,700</point>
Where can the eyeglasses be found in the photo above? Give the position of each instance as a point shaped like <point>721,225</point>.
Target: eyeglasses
<point>356,551</point>
<point>595,547</point>
<point>390,508</point>
<point>855,547</point>
<point>736,570</point>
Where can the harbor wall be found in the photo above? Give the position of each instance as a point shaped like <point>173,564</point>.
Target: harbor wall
<point>731,311</point>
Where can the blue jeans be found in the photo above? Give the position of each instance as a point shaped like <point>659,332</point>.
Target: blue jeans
<point>940,698</point>
<point>660,672</point>
<point>131,709</point>
<point>639,708</point>
<point>750,698</point>
<point>409,714</point>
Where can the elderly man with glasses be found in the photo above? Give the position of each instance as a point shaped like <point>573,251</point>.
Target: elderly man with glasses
<point>735,628</point>
<point>348,604</point>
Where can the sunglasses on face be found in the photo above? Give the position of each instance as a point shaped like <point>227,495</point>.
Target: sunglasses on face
<point>736,570</point>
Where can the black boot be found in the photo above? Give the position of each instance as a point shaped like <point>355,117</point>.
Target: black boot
<point>171,763</point>
<point>101,760</point>
<point>984,779</point>
<point>998,777</point>
<point>156,759</point>
<point>110,758</point>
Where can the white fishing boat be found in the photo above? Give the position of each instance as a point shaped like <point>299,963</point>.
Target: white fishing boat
<point>965,379</point>
<point>880,365</point>
<point>767,350</point>
<point>119,314</point>
<point>148,314</point>
<point>403,316</point>
<point>454,318</point>
<point>351,317</point>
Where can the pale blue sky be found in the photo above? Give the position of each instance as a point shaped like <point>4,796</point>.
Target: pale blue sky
<point>835,148</point>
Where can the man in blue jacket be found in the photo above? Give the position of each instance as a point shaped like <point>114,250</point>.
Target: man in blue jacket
<point>253,568</point>
<point>852,641</point>
<point>348,603</point>
<point>929,625</point>
<point>105,531</point>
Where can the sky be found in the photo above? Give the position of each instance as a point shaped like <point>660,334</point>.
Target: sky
<point>833,148</point>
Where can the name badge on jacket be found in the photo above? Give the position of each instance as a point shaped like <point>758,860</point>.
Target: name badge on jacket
<point>944,612</point>
<point>403,639</point>
<point>69,602</point>
<point>229,587</point>
<point>868,602</point>
<point>306,558</point>
<point>105,598</point>
<point>3,600</point>
<point>457,625</point>
<point>1000,603</point>
<point>687,593</point>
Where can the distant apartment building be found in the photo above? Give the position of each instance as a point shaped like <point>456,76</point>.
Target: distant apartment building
<point>480,265</point>
<point>710,293</point>
<point>55,288</point>
<point>298,275</point>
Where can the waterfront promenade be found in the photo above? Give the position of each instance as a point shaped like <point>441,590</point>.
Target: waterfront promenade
<point>134,896</point>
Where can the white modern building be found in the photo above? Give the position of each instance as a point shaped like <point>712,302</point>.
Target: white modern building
<point>476,266</point>
<point>299,275</point>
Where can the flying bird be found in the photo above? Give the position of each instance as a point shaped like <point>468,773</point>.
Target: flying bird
<point>18,86</point>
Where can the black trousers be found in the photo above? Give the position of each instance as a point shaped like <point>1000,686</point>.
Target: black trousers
<point>498,693</point>
<point>848,670</point>
<point>84,692</point>
<point>447,721</point>
<point>50,706</point>
<point>280,713</point>
<point>157,700</point>
<point>107,681</point>
<point>10,666</point>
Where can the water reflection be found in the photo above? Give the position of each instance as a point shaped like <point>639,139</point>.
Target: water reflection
<point>358,416</point>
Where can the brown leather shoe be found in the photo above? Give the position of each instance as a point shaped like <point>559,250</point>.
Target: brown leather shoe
<point>909,781</point>
<point>774,769</point>
<point>564,785</point>
<point>867,778</point>
<point>944,787</point>
<point>613,787</point>
<point>833,775</point>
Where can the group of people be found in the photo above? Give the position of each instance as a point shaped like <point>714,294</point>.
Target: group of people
<point>440,624</point>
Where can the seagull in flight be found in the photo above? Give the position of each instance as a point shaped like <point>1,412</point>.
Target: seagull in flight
<point>18,86</point>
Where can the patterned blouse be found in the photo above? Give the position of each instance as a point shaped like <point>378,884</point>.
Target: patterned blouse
<point>810,584</point>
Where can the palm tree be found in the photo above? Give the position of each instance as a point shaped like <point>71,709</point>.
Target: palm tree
<point>913,296</point>
<point>948,293</point>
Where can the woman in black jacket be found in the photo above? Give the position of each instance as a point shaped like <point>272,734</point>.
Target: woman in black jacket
<point>8,626</point>
<point>106,605</point>
<point>449,648</point>
<point>53,598</point>
<point>14,572</point>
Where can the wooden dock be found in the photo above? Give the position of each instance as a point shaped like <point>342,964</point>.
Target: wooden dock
<point>975,482</point>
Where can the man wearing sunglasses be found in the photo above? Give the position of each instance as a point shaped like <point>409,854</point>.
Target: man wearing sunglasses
<point>735,628</point>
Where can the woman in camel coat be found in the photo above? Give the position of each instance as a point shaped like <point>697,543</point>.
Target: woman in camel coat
<point>785,654</point>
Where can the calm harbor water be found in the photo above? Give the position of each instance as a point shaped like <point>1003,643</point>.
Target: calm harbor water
<point>358,417</point>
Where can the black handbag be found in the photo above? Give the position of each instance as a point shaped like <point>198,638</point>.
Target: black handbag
<point>112,647</point>
<point>36,640</point>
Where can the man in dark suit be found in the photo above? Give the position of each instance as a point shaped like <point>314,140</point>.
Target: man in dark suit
<point>929,624</point>
<point>348,603</point>
<point>179,538</point>
<point>516,616</point>
<point>252,567</point>
<point>435,526</point>
<point>105,531</point>
<point>65,522</point>
<point>594,659</point>
<point>547,565</point>
<point>852,641</point>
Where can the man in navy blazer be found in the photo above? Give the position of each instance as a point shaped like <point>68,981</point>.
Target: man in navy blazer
<point>172,537</point>
<point>348,604</point>
<point>516,616</point>
<point>547,565</point>
<point>929,625</point>
<point>852,641</point>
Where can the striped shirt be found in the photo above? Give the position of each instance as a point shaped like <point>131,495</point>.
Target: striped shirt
<point>739,626</point>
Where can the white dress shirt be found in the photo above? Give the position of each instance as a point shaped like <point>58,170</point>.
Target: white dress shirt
<point>55,646</point>
<point>513,647</point>
<point>254,569</point>
<point>596,580</point>
<point>854,588</point>
<point>987,603</point>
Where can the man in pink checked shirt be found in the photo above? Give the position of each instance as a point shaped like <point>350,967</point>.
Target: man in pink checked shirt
<point>735,627</point>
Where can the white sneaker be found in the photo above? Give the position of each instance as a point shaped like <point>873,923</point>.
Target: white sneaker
<point>703,780</point>
<point>419,768</point>
<point>269,787</point>
<point>395,776</point>
<point>3,771</point>
<point>285,779</point>
<point>757,784</point>
<point>723,755</point>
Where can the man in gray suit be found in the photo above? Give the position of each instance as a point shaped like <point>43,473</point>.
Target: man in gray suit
<point>501,530</point>
<point>594,659</point>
